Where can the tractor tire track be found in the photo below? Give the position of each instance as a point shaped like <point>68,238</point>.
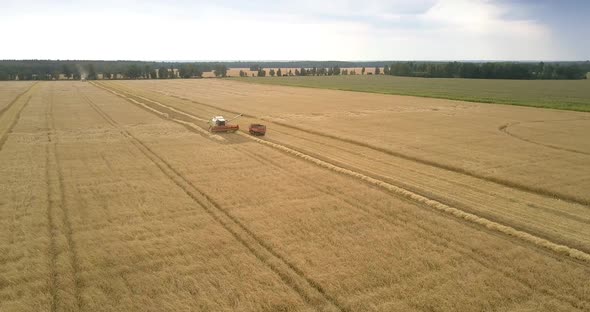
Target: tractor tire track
<point>436,205</point>
<point>7,107</point>
<point>491,179</point>
<point>421,230</point>
<point>310,291</point>
<point>58,205</point>
<point>4,136</point>
<point>462,203</point>
<point>504,129</point>
<point>51,224</point>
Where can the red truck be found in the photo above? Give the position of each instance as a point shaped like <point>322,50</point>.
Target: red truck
<point>257,129</point>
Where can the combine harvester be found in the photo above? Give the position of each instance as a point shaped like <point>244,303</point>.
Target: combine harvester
<point>219,124</point>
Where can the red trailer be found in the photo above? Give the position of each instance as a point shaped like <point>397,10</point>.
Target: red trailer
<point>257,129</point>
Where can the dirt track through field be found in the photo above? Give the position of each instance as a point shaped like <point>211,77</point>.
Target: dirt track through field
<point>558,248</point>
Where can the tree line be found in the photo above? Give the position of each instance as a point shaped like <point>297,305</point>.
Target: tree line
<point>488,70</point>
<point>53,69</point>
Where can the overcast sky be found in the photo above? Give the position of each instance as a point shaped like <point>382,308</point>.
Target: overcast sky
<point>295,30</point>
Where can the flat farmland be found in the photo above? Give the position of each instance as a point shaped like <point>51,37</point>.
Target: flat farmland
<point>560,94</point>
<point>114,197</point>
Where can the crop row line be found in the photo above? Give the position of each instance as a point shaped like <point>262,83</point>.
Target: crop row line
<point>420,230</point>
<point>491,179</point>
<point>292,276</point>
<point>57,200</point>
<point>16,117</point>
<point>437,205</point>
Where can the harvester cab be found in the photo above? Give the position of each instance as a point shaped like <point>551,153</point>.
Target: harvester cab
<point>220,124</point>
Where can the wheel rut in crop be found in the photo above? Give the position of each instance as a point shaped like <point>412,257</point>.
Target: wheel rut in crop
<point>7,107</point>
<point>441,207</point>
<point>505,129</point>
<point>491,179</point>
<point>65,280</point>
<point>17,112</point>
<point>423,231</point>
<point>311,291</point>
<point>417,182</point>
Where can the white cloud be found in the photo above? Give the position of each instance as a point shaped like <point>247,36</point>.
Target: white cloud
<point>263,29</point>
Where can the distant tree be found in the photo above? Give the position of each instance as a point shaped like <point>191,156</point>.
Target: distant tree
<point>55,74</point>
<point>66,71</point>
<point>353,72</point>
<point>242,73</point>
<point>279,73</point>
<point>133,72</point>
<point>377,70</point>
<point>163,73</point>
<point>314,71</point>
<point>290,73</point>
<point>184,71</point>
<point>363,71</point>
<point>336,70</point>
<point>220,71</point>
<point>297,72</point>
<point>345,72</point>
<point>386,70</point>
<point>91,72</point>
<point>153,74</point>
<point>255,67</point>
<point>146,71</point>
<point>272,72</point>
<point>303,71</point>
<point>261,73</point>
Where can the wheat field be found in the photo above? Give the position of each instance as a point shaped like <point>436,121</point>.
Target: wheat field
<point>114,197</point>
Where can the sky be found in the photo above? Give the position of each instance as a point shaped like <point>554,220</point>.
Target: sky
<point>344,30</point>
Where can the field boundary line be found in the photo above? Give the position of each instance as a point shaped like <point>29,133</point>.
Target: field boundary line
<point>473,218</point>
<point>455,169</point>
<point>310,291</point>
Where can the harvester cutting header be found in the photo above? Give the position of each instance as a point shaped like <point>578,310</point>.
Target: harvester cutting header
<point>219,124</point>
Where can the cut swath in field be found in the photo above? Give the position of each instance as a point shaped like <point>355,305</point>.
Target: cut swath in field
<point>559,235</point>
